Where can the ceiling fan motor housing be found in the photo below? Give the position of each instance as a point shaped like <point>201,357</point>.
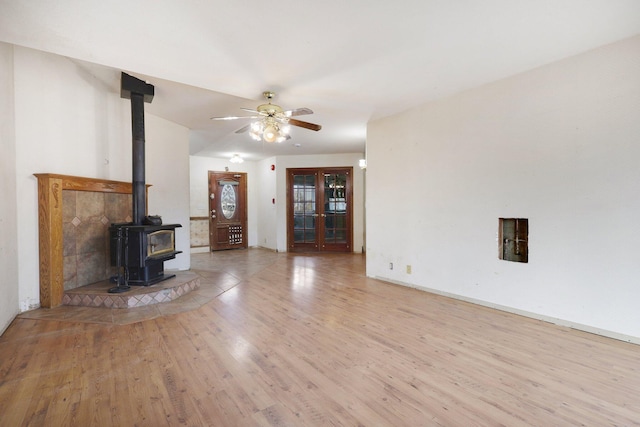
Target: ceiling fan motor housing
<point>270,109</point>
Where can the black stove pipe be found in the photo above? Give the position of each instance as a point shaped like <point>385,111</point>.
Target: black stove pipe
<point>138,158</point>
<point>139,92</point>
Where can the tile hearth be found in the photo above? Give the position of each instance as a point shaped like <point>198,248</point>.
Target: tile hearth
<point>217,274</point>
<point>97,295</point>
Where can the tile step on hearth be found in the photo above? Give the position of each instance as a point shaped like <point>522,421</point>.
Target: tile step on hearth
<point>97,295</point>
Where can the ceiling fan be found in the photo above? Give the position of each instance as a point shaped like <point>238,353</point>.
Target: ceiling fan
<point>273,122</point>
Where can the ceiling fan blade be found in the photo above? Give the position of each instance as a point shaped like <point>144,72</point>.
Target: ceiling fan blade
<point>306,125</point>
<point>254,111</point>
<point>243,129</point>
<point>298,112</point>
<point>234,117</point>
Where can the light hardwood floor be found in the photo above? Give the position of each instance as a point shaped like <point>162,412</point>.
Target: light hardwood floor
<point>298,340</point>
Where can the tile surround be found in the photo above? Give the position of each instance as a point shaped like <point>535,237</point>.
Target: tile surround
<point>86,217</point>
<point>199,232</point>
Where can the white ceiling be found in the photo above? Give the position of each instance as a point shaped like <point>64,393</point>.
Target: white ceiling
<point>349,61</point>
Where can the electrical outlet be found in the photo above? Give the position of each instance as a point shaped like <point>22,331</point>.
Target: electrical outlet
<point>408,268</point>
<point>390,266</point>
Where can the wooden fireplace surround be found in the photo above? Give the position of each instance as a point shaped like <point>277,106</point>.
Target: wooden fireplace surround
<point>50,188</point>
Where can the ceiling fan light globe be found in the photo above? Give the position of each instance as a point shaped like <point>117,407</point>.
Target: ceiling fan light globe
<point>270,133</point>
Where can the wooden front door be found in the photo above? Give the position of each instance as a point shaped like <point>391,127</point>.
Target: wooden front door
<point>227,210</point>
<point>319,209</point>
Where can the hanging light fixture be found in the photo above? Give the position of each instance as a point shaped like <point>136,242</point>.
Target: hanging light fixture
<point>236,159</point>
<point>269,130</point>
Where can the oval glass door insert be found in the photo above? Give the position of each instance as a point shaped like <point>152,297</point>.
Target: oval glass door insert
<point>228,201</point>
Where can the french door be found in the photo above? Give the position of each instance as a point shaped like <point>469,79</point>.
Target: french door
<point>319,210</point>
<point>227,210</point>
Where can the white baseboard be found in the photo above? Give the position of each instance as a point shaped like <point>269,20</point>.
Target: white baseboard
<point>532,315</point>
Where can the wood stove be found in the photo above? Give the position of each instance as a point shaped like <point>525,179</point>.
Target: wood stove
<point>138,249</point>
<point>141,250</point>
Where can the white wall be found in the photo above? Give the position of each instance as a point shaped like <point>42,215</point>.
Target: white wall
<point>69,122</point>
<point>557,145</point>
<point>267,210</point>
<point>167,170</point>
<point>8,212</point>
<point>199,185</point>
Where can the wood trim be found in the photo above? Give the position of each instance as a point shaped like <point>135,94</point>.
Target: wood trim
<point>50,242</point>
<point>78,183</point>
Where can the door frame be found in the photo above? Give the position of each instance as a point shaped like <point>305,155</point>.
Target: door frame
<point>320,245</point>
<point>241,206</point>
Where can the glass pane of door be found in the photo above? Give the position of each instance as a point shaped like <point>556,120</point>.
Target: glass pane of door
<point>335,208</point>
<point>304,208</point>
<point>228,200</point>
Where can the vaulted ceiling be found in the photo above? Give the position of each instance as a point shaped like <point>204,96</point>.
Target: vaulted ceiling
<point>348,61</point>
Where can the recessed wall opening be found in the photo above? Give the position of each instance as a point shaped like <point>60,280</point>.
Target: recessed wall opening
<point>513,239</point>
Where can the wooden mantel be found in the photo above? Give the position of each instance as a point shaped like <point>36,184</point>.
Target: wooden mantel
<point>50,188</point>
